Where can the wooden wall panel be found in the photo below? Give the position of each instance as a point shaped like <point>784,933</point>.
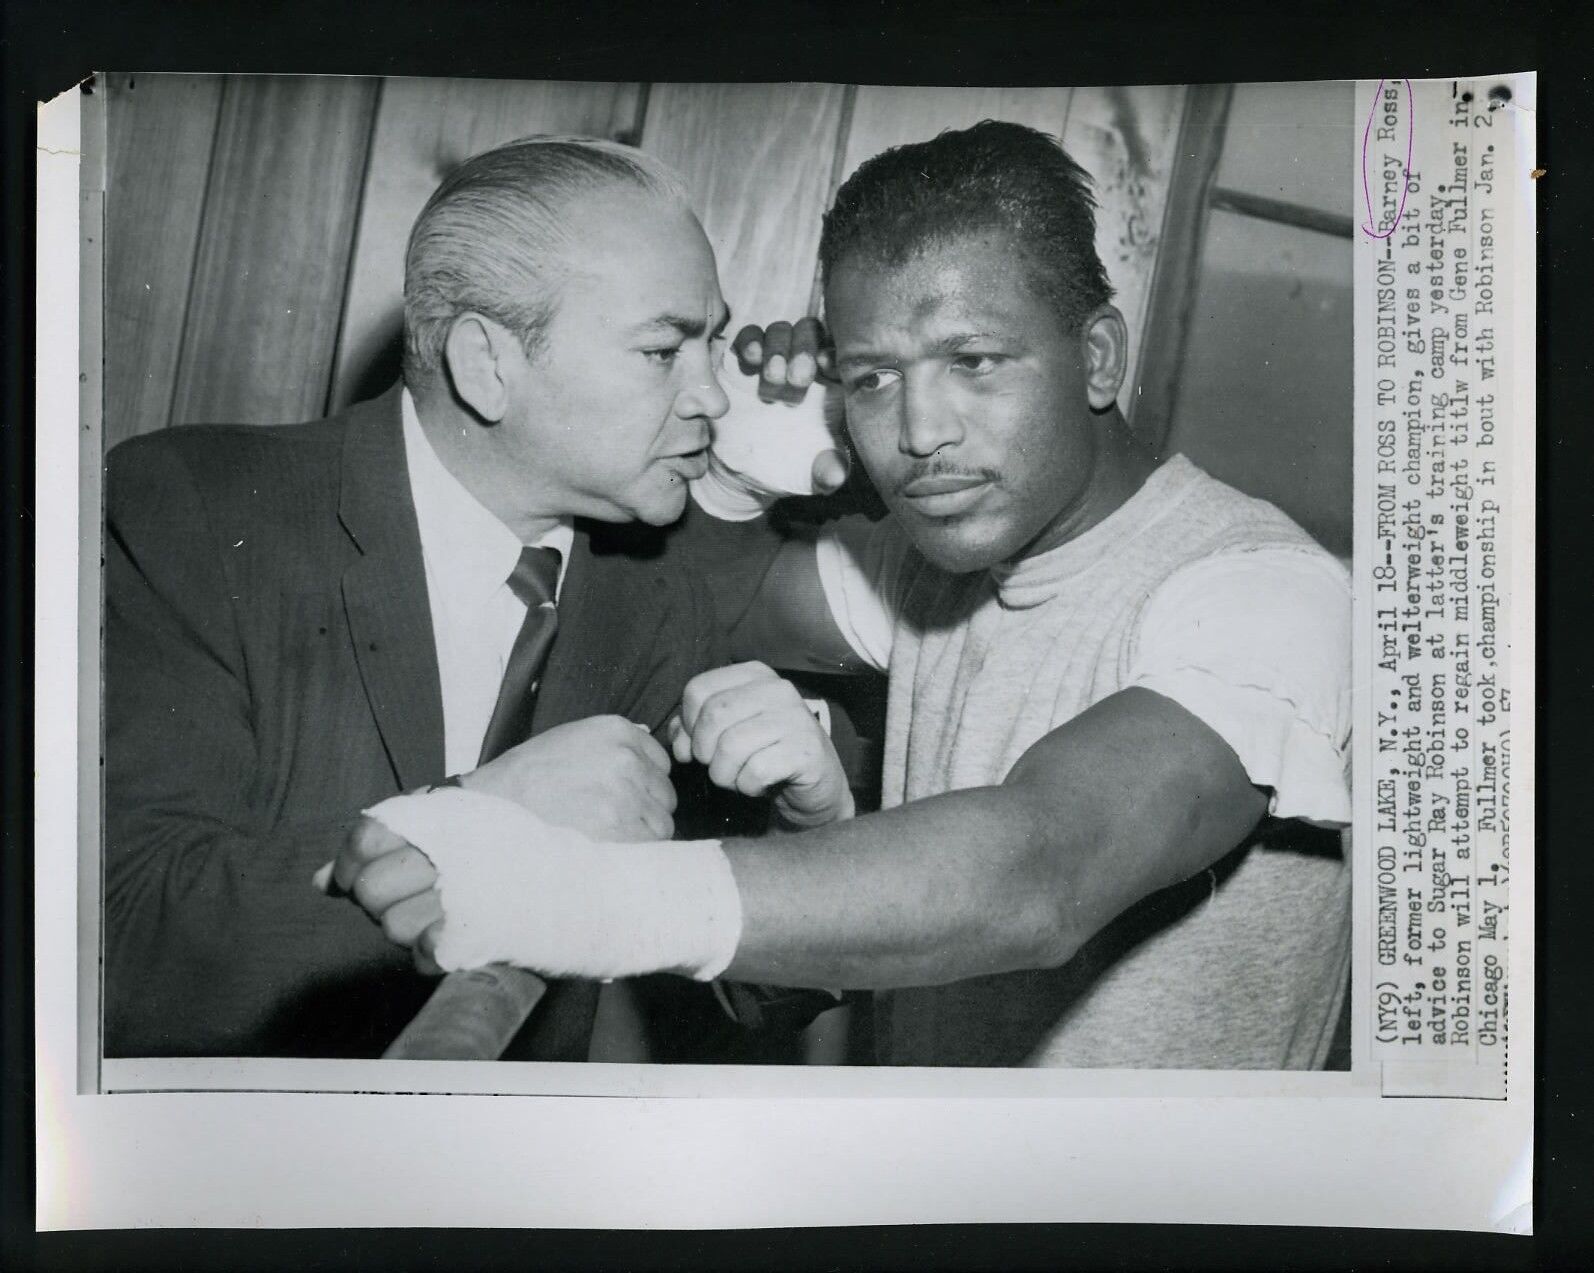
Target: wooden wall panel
<point>159,133</point>
<point>311,185</point>
<point>1126,138</point>
<point>424,128</point>
<point>274,247</point>
<point>759,160</point>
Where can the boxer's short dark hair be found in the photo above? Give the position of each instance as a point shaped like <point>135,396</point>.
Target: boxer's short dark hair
<point>993,176</point>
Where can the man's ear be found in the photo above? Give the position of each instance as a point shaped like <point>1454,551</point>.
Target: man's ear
<point>474,353</point>
<point>1105,341</point>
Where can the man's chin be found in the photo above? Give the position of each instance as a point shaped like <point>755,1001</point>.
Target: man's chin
<point>958,550</point>
<point>664,509</point>
<point>957,545</point>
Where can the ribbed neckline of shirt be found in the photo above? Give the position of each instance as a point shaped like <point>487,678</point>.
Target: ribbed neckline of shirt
<point>1030,581</point>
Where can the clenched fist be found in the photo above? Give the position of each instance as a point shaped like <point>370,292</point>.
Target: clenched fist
<point>789,359</point>
<point>757,736</point>
<point>393,881</point>
<point>603,776</point>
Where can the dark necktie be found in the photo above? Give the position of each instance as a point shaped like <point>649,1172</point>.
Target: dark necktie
<point>533,580</point>
<point>478,1014</point>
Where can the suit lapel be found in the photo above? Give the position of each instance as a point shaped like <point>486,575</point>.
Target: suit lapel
<point>384,593</point>
<point>612,612</point>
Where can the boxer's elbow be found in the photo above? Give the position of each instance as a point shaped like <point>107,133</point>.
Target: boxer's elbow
<point>1034,916</point>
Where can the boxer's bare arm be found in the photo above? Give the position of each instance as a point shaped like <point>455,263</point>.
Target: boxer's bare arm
<point>1131,796</point>
<point>789,624</point>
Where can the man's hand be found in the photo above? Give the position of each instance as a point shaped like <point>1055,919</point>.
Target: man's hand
<point>788,358</point>
<point>465,879</point>
<point>757,736</point>
<point>393,881</point>
<point>603,776</point>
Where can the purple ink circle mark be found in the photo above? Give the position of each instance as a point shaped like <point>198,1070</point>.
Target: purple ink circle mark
<point>1368,227</point>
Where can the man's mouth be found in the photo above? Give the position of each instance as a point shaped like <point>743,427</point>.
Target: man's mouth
<point>692,464</point>
<point>944,494</point>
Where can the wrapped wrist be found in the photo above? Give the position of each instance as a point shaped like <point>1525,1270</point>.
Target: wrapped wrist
<point>518,890</point>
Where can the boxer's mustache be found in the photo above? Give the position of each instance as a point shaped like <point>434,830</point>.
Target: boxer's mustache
<point>924,471</point>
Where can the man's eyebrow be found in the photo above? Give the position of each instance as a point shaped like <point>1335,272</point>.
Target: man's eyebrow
<point>689,326</point>
<point>946,345</point>
<point>956,342</point>
<point>858,358</point>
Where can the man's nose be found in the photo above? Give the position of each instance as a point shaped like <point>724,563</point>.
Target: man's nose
<point>703,396</point>
<point>929,422</point>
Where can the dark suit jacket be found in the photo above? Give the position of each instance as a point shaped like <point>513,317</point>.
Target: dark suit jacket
<point>269,671</point>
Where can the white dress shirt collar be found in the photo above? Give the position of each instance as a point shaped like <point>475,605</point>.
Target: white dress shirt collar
<point>466,544</point>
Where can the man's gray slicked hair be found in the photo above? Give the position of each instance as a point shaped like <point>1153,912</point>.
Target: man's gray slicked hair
<point>492,237</point>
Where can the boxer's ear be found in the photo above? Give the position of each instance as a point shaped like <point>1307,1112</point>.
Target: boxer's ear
<point>1104,341</point>
<point>475,352</point>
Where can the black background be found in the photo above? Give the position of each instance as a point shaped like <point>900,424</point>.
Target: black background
<point>49,46</point>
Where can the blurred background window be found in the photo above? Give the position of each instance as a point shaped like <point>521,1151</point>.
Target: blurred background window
<point>1260,386</point>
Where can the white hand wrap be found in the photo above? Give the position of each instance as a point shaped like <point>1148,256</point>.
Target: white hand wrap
<point>518,890</point>
<point>764,450</point>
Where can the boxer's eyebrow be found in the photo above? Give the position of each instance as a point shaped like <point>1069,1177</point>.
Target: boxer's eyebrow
<point>941,347</point>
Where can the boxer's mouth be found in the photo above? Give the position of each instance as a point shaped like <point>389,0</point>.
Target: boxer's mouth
<point>944,494</point>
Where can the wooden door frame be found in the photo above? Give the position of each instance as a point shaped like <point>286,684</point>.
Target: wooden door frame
<point>1177,276</point>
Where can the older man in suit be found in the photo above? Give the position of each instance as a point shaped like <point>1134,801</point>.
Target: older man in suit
<point>304,620</point>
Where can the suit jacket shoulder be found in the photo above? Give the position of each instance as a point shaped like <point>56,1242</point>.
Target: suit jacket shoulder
<point>266,495</point>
